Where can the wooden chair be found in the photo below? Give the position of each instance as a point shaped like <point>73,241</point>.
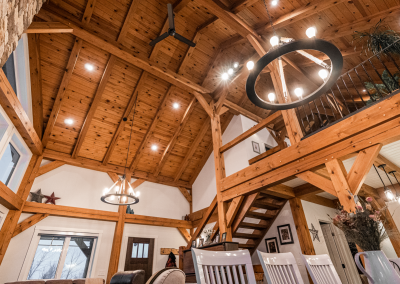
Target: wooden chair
<point>396,264</point>
<point>225,267</point>
<point>280,268</point>
<point>321,269</point>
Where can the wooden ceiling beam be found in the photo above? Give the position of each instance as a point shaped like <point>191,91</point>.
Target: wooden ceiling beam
<point>9,199</point>
<point>98,166</point>
<point>243,111</point>
<point>318,181</point>
<point>123,53</point>
<point>36,83</point>
<point>203,130</point>
<point>150,131</point>
<point>49,167</point>
<point>48,28</point>
<point>29,222</point>
<point>174,138</point>
<point>16,113</point>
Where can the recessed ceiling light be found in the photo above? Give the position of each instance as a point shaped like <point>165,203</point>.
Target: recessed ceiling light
<point>69,121</point>
<point>250,65</point>
<point>154,147</point>
<point>175,105</point>
<point>235,65</point>
<point>225,76</point>
<point>274,3</point>
<point>89,67</point>
<point>310,32</point>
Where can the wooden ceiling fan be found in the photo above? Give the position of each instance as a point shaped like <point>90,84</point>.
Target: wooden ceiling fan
<point>171,30</point>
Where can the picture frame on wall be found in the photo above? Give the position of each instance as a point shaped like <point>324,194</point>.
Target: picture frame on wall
<point>194,244</point>
<point>256,147</point>
<point>272,245</point>
<point>223,237</point>
<point>285,234</point>
<point>201,242</point>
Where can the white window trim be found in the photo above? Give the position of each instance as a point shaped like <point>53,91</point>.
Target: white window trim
<point>11,130</point>
<point>23,275</point>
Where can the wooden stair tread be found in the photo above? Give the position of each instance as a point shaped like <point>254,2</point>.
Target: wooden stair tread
<point>257,215</point>
<point>253,226</point>
<point>247,236</point>
<point>266,205</point>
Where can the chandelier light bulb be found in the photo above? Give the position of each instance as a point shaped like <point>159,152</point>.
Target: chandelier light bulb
<point>235,65</point>
<point>323,73</point>
<point>389,194</point>
<point>274,2</point>
<point>298,92</point>
<point>69,121</point>
<point>250,65</point>
<point>225,76</point>
<point>310,32</point>
<point>271,97</point>
<point>89,67</point>
<point>274,41</point>
<point>154,147</point>
<point>230,71</point>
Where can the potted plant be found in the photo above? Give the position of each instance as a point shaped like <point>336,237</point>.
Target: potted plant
<point>365,228</point>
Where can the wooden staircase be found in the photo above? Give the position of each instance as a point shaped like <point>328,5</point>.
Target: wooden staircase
<point>261,220</point>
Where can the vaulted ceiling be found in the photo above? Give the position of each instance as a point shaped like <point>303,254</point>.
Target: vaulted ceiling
<point>98,100</point>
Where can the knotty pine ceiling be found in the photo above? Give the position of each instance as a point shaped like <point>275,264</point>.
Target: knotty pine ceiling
<point>218,46</point>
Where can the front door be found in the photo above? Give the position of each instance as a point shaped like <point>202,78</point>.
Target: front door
<point>139,255</point>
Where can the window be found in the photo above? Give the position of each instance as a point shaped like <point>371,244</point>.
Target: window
<point>140,250</point>
<point>8,163</point>
<point>62,257</point>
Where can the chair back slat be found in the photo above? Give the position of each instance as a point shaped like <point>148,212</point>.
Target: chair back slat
<point>321,269</point>
<point>280,268</point>
<point>396,264</point>
<point>223,267</point>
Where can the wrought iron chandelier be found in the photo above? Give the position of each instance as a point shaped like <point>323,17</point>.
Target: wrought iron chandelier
<point>388,192</point>
<point>283,46</point>
<point>121,192</point>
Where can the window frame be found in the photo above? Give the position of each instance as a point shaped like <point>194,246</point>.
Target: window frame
<point>67,233</point>
<point>8,138</point>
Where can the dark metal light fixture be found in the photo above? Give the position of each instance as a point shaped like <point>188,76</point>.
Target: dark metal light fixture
<point>388,192</point>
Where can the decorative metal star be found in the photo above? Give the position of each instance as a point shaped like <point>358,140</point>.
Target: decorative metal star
<point>37,196</point>
<point>52,199</point>
<point>314,233</point>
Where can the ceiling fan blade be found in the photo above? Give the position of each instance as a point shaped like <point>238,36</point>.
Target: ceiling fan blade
<point>184,40</point>
<point>160,38</point>
<point>171,19</point>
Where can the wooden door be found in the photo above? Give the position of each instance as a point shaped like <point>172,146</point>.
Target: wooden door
<point>139,255</point>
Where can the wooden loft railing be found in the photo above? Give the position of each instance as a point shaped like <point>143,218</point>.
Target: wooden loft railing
<point>360,87</point>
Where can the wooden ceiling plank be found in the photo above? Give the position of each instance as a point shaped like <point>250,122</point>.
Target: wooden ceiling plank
<point>240,5</point>
<point>318,181</point>
<point>126,114</point>
<point>203,130</point>
<point>150,130</point>
<point>124,53</point>
<point>36,83</point>
<point>93,107</point>
<point>29,222</point>
<point>128,19</point>
<point>189,53</point>
<point>98,166</point>
<point>49,167</point>
<point>203,222</point>
<point>174,138</point>
<point>48,28</point>
<point>13,108</point>
<point>361,167</point>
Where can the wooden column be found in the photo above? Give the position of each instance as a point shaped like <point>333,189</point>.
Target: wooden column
<point>219,173</point>
<point>12,218</point>
<point>118,234</point>
<point>303,233</point>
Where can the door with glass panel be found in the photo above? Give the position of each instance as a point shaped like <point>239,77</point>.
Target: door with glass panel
<point>139,255</point>
<point>62,257</point>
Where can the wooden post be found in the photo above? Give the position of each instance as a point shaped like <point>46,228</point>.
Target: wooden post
<point>219,173</point>
<point>12,218</point>
<point>303,233</point>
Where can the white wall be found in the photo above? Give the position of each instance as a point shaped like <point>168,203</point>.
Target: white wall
<point>82,188</point>
<point>284,217</point>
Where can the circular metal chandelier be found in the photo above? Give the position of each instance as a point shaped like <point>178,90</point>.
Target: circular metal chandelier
<point>121,192</point>
<point>326,47</point>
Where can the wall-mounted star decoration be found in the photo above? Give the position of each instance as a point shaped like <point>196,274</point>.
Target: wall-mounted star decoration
<point>314,233</point>
<point>51,199</point>
<point>37,196</point>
